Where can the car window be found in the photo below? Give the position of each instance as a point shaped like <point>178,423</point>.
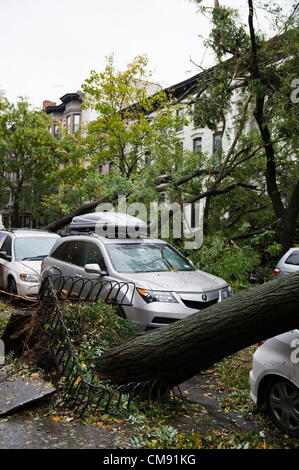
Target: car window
<point>2,238</point>
<point>142,258</point>
<point>59,253</point>
<point>6,246</point>
<point>178,262</point>
<point>93,255</point>
<point>293,258</point>
<point>71,252</point>
<point>33,248</point>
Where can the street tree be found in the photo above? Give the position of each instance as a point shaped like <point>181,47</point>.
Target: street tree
<point>253,80</point>
<point>27,156</point>
<point>134,135</point>
<point>126,133</point>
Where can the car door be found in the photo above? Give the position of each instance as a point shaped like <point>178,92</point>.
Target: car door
<point>66,257</point>
<point>98,284</point>
<point>66,260</point>
<point>70,259</point>
<point>5,264</point>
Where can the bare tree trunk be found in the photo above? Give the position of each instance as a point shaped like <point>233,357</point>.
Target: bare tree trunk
<point>179,351</point>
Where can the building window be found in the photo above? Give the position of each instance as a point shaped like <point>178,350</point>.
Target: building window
<point>178,155</point>
<point>68,123</point>
<point>217,143</point>
<point>180,113</point>
<point>76,122</point>
<point>56,131</point>
<point>197,144</point>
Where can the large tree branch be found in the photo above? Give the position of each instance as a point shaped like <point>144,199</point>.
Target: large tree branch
<point>263,126</point>
<point>293,208</point>
<point>236,139</point>
<point>66,219</point>
<point>250,211</point>
<point>272,186</point>
<point>243,236</point>
<point>217,192</point>
<point>173,354</point>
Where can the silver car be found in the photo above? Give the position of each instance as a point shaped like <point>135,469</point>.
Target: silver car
<point>274,380</point>
<point>168,286</point>
<point>288,264</point>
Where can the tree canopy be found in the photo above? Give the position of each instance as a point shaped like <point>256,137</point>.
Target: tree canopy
<point>252,80</point>
<point>27,156</point>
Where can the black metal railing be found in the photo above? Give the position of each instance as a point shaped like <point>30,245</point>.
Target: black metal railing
<point>79,391</point>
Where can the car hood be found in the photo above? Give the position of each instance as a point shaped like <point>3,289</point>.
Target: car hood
<point>29,267</point>
<point>187,281</point>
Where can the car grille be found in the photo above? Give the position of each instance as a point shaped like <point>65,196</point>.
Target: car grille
<point>199,305</point>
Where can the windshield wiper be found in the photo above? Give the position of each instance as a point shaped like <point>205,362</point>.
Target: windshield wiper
<point>166,260</point>
<point>28,258</point>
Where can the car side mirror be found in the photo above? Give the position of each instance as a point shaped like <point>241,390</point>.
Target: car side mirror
<point>94,269</point>
<point>5,256</point>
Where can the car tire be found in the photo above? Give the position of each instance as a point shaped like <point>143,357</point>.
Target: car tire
<point>282,399</point>
<point>12,288</point>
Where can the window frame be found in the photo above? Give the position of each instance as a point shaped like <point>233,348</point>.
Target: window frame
<point>76,124</point>
<point>90,243</point>
<point>197,139</point>
<point>8,237</point>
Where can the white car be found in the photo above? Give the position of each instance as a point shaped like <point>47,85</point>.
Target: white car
<point>274,380</point>
<point>21,255</point>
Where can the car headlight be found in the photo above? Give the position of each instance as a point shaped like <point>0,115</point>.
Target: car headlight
<point>156,296</point>
<point>226,292</point>
<point>29,277</point>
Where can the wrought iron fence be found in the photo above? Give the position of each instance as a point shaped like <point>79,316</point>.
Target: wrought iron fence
<point>79,391</point>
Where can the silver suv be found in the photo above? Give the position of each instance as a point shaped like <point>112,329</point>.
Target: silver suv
<point>168,286</point>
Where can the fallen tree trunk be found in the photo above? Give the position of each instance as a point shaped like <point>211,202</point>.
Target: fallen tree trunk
<point>179,351</point>
<point>173,354</point>
<point>66,219</point>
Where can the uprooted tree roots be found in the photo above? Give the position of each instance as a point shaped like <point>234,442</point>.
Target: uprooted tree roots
<point>27,338</point>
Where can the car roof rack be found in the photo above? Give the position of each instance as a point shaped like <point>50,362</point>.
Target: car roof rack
<point>63,233</point>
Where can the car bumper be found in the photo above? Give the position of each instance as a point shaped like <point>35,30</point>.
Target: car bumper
<point>28,291</point>
<point>253,388</point>
<point>157,314</point>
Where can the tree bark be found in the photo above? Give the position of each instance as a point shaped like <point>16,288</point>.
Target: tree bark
<point>66,219</point>
<point>179,351</point>
<point>289,214</point>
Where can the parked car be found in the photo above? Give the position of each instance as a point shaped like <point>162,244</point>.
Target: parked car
<point>288,264</point>
<point>21,254</point>
<point>168,286</point>
<point>274,380</point>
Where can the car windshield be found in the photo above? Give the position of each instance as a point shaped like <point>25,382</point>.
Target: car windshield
<point>33,248</point>
<point>146,258</point>
<point>293,258</point>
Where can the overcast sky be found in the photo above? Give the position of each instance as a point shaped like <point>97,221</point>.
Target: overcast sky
<point>49,47</point>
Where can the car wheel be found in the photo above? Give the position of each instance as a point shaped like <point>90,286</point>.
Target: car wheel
<point>283,406</point>
<point>12,288</point>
